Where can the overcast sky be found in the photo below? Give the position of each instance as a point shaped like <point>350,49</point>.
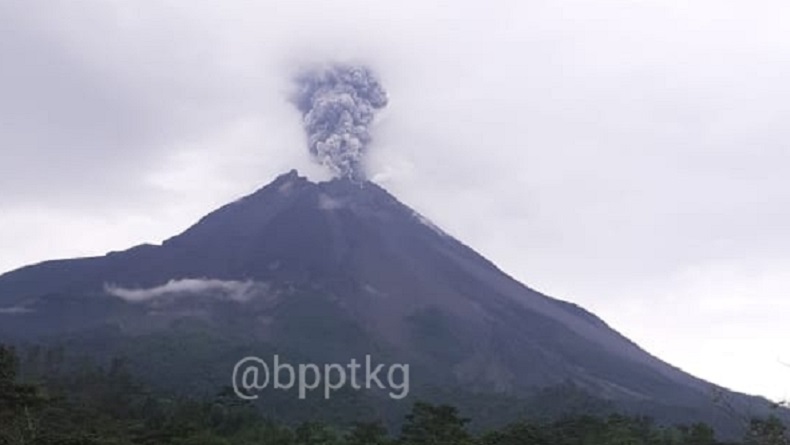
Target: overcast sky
<point>630,156</point>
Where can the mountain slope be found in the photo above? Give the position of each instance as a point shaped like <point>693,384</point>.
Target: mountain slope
<point>339,269</point>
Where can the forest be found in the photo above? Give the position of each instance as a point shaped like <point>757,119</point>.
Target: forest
<point>105,405</point>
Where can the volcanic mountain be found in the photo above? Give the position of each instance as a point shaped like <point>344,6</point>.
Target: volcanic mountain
<point>333,270</point>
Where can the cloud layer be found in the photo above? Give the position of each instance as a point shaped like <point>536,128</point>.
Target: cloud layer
<point>239,291</point>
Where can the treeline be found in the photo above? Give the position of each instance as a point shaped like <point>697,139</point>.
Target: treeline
<point>104,405</point>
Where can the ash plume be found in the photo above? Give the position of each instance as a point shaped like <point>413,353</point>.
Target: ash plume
<point>338,103</point>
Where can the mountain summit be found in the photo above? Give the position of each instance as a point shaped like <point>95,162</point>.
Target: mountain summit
<point>327,271</point>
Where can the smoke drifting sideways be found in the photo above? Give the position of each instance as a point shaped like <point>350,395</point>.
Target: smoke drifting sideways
<point>338,104</point>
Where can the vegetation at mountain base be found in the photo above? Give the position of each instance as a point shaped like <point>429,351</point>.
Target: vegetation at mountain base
<point>104,405</point>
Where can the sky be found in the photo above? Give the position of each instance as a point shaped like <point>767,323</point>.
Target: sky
<point>628,156</point>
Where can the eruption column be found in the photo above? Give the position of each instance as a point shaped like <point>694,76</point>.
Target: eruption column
<point>338,103</point>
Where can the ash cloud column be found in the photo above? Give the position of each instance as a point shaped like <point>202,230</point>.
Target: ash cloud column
<point>338,104</point>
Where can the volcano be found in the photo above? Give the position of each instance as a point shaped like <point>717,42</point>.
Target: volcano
<point>332,270</point>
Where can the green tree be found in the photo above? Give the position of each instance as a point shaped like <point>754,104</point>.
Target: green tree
<point>367,433</point>
<point>315,433</point>
<point>434,425</point>
<point>770,431</point>
<point>697,434</point>
<point>517,434</point>
<point>19,403</point>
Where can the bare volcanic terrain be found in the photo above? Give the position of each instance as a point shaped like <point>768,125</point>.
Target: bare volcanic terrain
<point>330,271</point>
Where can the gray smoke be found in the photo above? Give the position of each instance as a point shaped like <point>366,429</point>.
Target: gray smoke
<point>338,103</point>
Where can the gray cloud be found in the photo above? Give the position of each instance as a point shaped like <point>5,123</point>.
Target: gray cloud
<point>14,310</point>
<point>239,291</point>
<point>338,103</point>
